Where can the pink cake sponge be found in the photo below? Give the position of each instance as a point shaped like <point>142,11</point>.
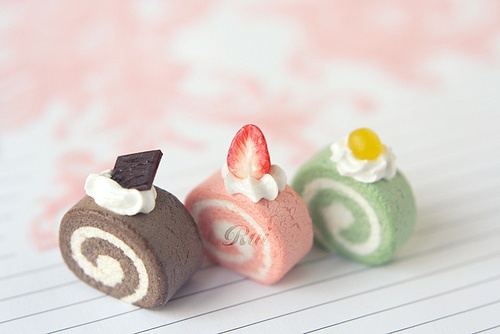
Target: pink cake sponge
<point>262,241</point>
<point>250,220</point>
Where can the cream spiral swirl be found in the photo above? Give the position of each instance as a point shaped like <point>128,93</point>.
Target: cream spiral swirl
<point>107,269</point>
<point>235,237</point>
<point>338,216</point>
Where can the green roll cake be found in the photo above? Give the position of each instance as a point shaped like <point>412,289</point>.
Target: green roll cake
<point>360,204</point>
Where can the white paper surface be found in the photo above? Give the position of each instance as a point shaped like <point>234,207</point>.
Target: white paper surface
<point>445,279</point>
<point>82,84</point>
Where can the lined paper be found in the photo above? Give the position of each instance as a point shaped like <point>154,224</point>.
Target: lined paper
<point>80,85</point>
<point>445,279</point>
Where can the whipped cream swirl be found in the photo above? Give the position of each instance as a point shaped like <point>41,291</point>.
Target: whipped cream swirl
<point>366,171</point>
<point>268,186</point>
<point>108,194</point>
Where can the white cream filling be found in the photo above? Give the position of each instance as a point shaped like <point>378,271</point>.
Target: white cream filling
<point>267,187</point>
<point>367,171</point>
<point>108,270</point>
<point>108,194</point>
<point>339,217</point>
<point>245,251</point>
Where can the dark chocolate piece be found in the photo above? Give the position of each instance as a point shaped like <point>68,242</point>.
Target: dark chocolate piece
<point>137,170</point>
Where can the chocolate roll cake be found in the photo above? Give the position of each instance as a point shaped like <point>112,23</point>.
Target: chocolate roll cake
<point>119,242</point>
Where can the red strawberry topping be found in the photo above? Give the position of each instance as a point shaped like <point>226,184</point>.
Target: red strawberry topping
<point>248,154</point>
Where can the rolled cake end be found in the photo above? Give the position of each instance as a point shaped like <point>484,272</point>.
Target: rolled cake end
<point>129,239</point>
<point>262,240</point>
<point>142,259</point>
<point>363,221</point>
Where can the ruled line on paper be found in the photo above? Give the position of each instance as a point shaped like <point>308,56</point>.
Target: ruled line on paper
<point>53,309</point>
<point>447,316</point>
<point>481,215</point>
<point>209,289</point>
<point>390,288</point>
<point>480,175</point>
<point>138,309</point>
<point>451,201</point>
<point>14,278</point>
<point>457,243</point>
<point>40,290</point>
<point>480,237</point>
<point>175,297</point>
<point>32,271</point>
<point>362,293</point>
<point>91,322</point>
<point>52,267</point>
<point>443,269</point>
<point>206,267</point>
<point>452,189</point>
<point>446,292</point>
<point>180,297</point>
<point>487,329</point>
<point>85,300</point>
<point>441,196</point>
<point>484,201</point>
<point>339,299</point>
<point>431,175</point>
<point>478,194</point>
<point>59,330</point>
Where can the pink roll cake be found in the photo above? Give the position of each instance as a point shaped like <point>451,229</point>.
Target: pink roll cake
<point>250,220</point>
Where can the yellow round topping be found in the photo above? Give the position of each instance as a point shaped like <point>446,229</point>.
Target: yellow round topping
<point>365,144</point>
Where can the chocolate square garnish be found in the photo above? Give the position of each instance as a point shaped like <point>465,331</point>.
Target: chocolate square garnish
<point>137,170</point>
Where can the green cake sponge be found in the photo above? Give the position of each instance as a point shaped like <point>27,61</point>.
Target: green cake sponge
<point>363,221</point>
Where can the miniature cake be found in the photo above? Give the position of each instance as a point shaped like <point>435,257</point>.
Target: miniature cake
<point>360,204</point>
<point>129,239</point>
<point>250,220</point>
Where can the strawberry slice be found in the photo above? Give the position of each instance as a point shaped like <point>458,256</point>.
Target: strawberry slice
<point>248,154</point>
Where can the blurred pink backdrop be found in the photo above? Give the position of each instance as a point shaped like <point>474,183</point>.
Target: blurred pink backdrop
<point>143,74</point>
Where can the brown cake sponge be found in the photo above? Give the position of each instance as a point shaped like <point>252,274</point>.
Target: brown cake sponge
<point>142,259</point>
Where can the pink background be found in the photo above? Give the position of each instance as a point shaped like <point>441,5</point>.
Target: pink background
<point>86,81</point>
<point>82,82</point>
